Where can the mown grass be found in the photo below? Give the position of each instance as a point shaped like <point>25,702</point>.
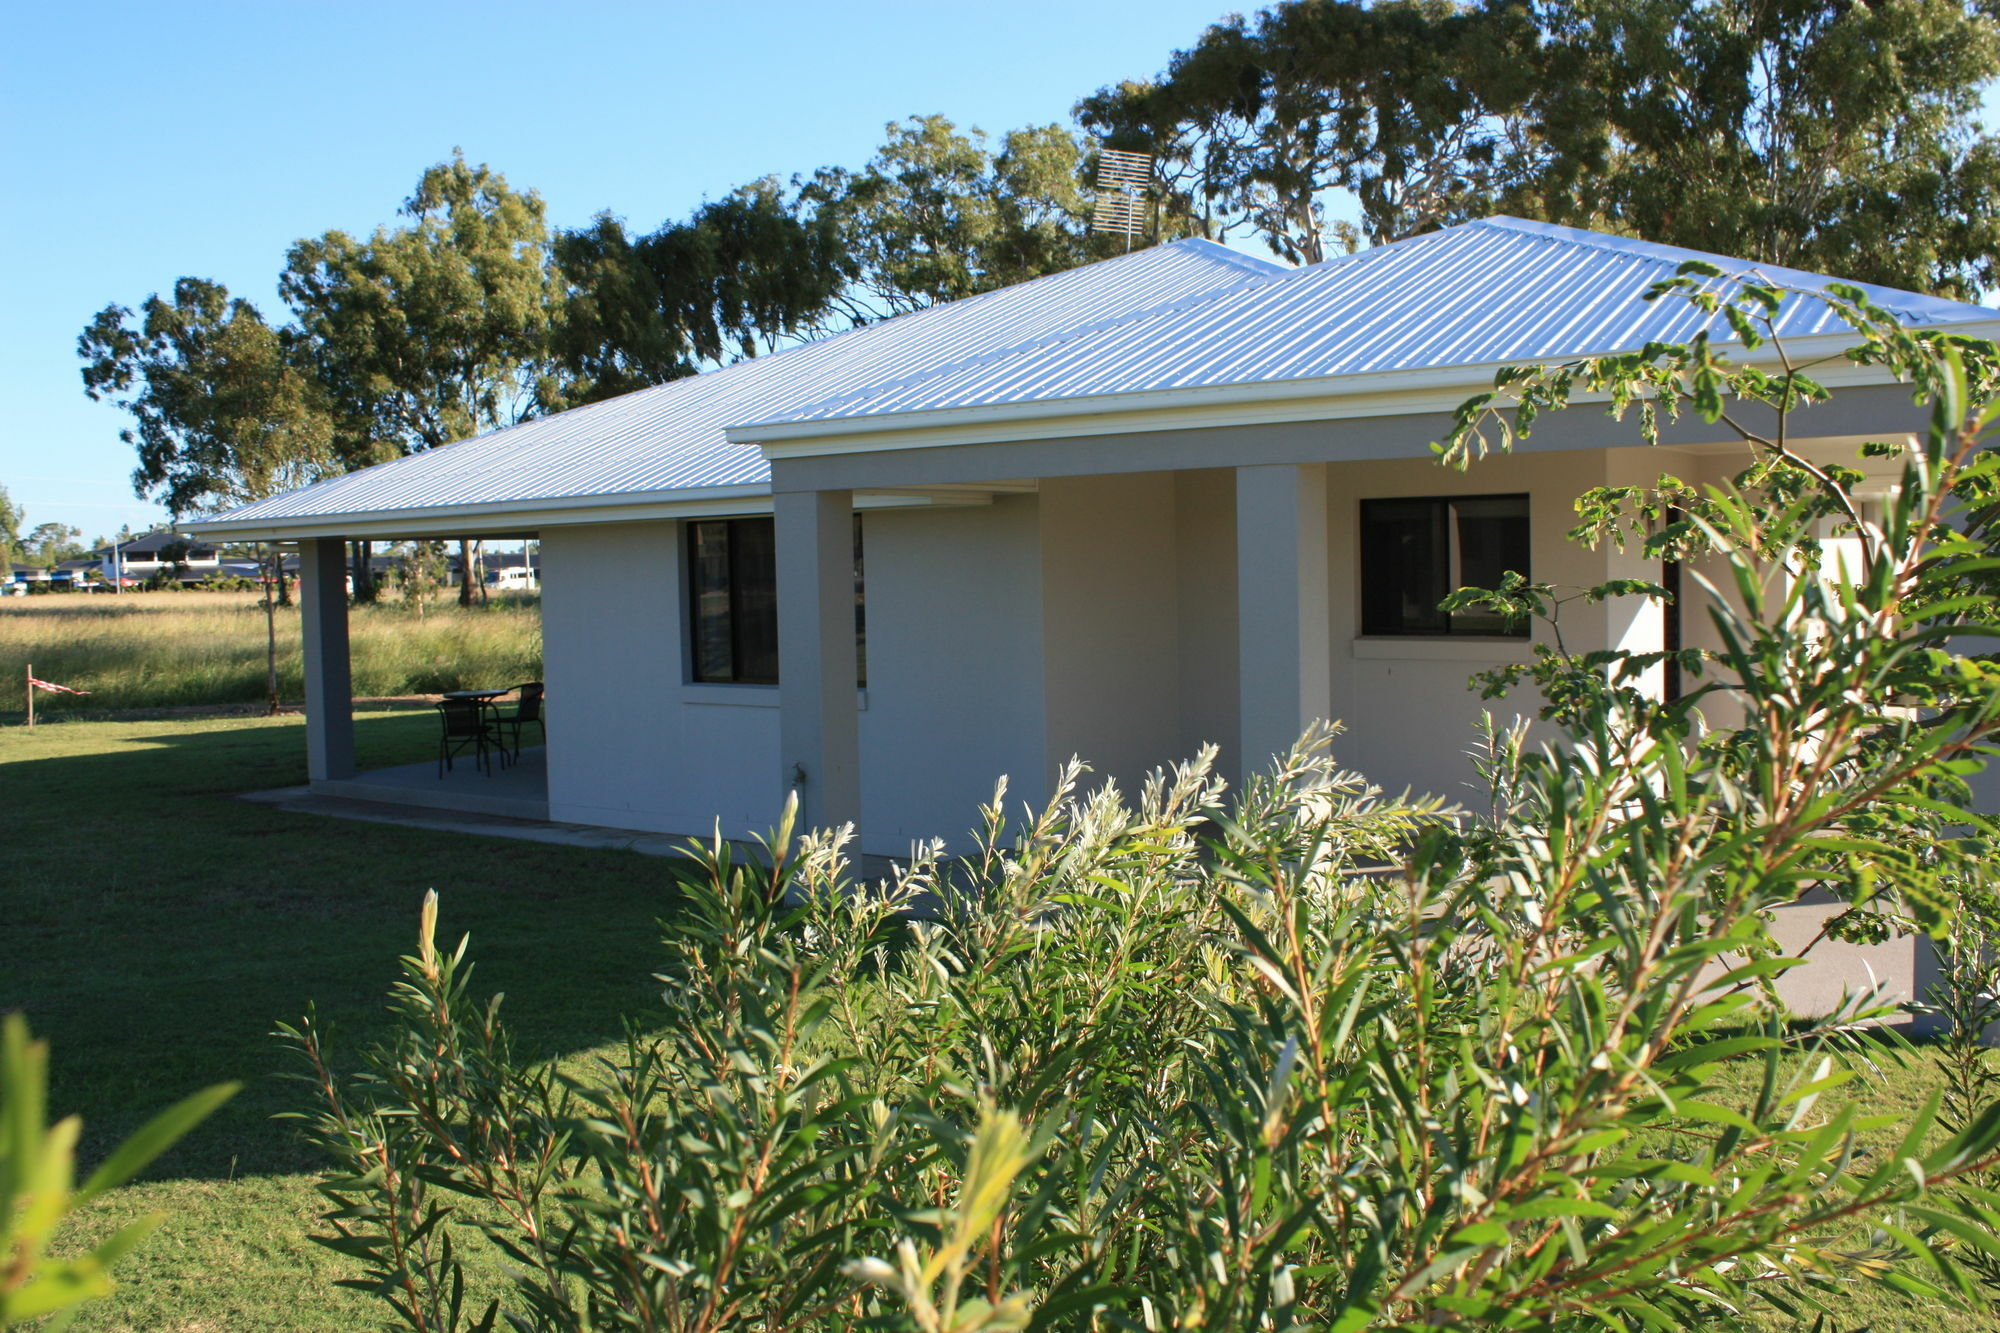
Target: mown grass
<point>177,649</point>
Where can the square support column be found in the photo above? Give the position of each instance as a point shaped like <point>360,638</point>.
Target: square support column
<point>329,676</point>
<point>1283,611</point>
<point>818,719</point>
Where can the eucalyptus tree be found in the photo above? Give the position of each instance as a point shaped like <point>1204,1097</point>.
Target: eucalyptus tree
<point>225,410</point>
<point>49,544</point>
<point>1416,107</point>
<point>938,213</point>
<point>434,330</point>
<point>1836,137</point>
<point>734,279</point>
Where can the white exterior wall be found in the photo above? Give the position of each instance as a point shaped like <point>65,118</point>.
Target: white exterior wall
<point>631,743</point>
<point>1410,718</point>
<point>1110,623</point>
<point>955,685</point>
<point>955,674</point>
<point>1205,567</point>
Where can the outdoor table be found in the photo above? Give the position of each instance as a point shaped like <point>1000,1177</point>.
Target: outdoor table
<point>483,700</point>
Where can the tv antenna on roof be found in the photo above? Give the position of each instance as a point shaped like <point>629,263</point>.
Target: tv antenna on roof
<point>1122,181</point>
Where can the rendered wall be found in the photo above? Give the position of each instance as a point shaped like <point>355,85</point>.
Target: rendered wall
<point>631,744</point>
<point>1205,568</point>
<point>955,688</point>
<point>955,697</point>
<point>1410,718</point>
<point>1110,623</point>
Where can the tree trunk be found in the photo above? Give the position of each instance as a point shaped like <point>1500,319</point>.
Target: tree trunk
<point>479,562</point>
<point>364,572</point>
<point>272,591</point>
<point>464,572</point>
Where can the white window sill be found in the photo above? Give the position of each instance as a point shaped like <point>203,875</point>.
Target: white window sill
<point>1457,648</point>
<point>746,696</point>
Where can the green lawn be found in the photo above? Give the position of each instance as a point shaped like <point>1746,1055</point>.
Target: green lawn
<point>155,929</point>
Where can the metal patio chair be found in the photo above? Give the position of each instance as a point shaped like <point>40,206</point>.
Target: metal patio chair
<point>467,725</point>
<point>527,708</point>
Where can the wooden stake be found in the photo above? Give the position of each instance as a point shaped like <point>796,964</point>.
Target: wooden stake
<point>29,686</point>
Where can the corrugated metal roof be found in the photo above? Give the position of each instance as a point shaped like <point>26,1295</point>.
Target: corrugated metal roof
<point>670,437</point>
<point>1494,291</point>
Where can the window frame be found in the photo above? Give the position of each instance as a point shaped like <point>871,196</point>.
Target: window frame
<point>695,670</point>
<point>1442,517</point>
<point>699,671</point>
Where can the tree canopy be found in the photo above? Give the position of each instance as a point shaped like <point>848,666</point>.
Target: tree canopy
<point>433,331</point>
<point>741,273</point>
<point>224,411</point>
<point>1834,136</point>
<point>1414,106</point>
<point>49,544</point>
<point>1841,138</point>
<point>937,214</point>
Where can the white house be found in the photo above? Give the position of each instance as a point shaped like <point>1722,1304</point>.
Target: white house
<point>185,556</point>
<point>1174,497</point>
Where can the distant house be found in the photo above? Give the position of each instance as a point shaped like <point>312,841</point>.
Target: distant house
<point>511,571</point>
<point>190,559</point>
<point>74,573</point>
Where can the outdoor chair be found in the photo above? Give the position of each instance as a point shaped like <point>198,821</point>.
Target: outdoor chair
<point>467,725</point>
<point>527,708</point>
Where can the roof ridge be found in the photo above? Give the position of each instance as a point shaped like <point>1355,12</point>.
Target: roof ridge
<point>1211,250</point>
<point>1215,249</point>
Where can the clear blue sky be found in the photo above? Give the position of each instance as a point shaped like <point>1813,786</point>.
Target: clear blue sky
<point>145,141</point>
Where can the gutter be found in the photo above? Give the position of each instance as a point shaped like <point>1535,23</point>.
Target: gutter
<point>501,520</point>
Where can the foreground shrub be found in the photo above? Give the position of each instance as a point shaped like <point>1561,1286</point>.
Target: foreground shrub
<point>39,1193</point>
<point>1300,1056</point>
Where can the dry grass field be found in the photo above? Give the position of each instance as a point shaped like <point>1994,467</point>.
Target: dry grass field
<point>180,649</point>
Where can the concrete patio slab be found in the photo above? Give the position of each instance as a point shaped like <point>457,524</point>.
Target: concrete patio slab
<point>385,806</point>
<point>518,790</point>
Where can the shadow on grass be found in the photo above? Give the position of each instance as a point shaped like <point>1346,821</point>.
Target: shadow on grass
<point>155,928</point>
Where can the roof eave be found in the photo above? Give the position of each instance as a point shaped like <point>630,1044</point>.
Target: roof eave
<point>492,519</point>
<point>1333,397</point>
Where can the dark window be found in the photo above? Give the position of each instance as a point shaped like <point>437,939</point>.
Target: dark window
<point>733,601</point>
<point>1415,552</point>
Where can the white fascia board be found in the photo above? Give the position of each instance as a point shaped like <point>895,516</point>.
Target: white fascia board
<point>1329,398</point>
<point>525,518</point>
<point>496,517</point>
